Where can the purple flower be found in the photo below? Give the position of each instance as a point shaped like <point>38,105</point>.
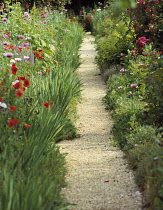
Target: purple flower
<point>4,19</point>
<point>6,36</point>
<point>21,37</point>
<point>43,16</point>
<point>122,70</point>
<point>25,44</point>
<point>133,85</point>
<point>5,43</point>
<point>9,55</point>
<point>120,87</point>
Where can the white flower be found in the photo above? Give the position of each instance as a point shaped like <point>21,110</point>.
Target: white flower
<point>3,105</point>
<point>12,61</point>
<point>138,193</point>
<point>18,59</point>
<point>26,57</point>
<point>16,81</point>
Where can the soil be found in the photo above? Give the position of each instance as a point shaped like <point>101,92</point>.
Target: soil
<point>98,176</point>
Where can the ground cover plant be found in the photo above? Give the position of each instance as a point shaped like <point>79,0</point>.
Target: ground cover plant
<point>39,92</point>
<point>130,58</point>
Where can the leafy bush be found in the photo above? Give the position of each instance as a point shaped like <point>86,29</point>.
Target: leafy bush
<point>134,86</point>
<point>113,43</point>
<point>147,21</point>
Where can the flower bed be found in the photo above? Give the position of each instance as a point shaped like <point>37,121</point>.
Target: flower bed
<point>39,93</point>
<point>129,55</point>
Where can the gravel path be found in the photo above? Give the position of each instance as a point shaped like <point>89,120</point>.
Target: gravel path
<point>98,176</point>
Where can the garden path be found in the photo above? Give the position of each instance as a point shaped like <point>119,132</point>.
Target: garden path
<point>98,176</point>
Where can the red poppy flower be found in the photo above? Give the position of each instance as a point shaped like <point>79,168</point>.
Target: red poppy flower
<point>23,88</point>
<point>51,102</point>
<point>19,93</point>
<point>40,51</point>
<point>13,108</point>
<point>17,85</point>
<point>47,105</point>
<point>26,83</point>
<point>28,75</point>
<point>13,122</point>
<point>47,70</point>
<point>21,78</point>
<point>14,69</point>
<point>27,126</point>
<point>38,56</point>
<point>1,99</point>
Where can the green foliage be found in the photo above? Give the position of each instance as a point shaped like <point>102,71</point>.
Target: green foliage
<point>43,69</point>
<point>147,21</point>
<point>113,40</point>
<point>131,63</point>
<point>50,4</point>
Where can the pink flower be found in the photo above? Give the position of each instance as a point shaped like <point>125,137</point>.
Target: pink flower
<point>120,87</point>
<point>142,41</point>
<point>9,55</point>
<point>5,43</point>
<point>133,85</point>
<point>21,37</point>
<point>153,53</point>
<point>25,44</point>
<point>134,52</point>
<point>148,10</point>
<point>122,70</point>
<point>39,73</point>
<point>43,16</point>
<point>4,19</point>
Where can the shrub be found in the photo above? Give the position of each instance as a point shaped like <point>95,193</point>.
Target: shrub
<point>147,21</point>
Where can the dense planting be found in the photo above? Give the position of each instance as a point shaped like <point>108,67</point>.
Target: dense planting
<point>39,93</point>
<point>40,90</point>
<point>130,57</point>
